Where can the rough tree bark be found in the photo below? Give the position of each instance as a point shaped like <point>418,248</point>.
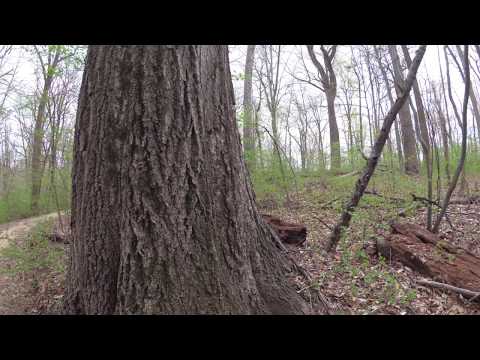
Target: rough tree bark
<point>408,134</point>
<point>163,214</point>
<point>369,169</point>
<point>248,125</point>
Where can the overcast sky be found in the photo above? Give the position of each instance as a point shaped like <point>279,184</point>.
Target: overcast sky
<point>429,66</point>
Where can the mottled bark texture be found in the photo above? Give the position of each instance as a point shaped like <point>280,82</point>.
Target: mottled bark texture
<point>163,214</point>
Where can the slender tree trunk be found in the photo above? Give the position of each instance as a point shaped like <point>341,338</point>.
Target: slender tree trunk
<point>463,155</point>
<point>37,145</point>
<point>360,119</point>
<point>335,157</point>
<point>408,135</point>
<point>473,98</point>
<point>37,167</point>
<point>444,95</point>
<point>422,121</point>
<point>329,84</point>
<point>248,126</point>
<point>163,214</point>
<point>259,138</point>
<point>390,97</point>
<point>446,150</point>
<point>463,181</point>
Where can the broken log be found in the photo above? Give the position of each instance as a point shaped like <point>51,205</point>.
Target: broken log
<point>430,256</point>
<point>289,233</point>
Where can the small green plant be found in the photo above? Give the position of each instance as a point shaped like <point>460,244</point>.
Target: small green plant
<point>354,290</point>
<point>408,297</point>
<point>370,277</point>
<point>391,289</point>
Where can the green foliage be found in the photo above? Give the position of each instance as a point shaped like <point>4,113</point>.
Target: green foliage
<point>16,201</point>
<point>37,253</point>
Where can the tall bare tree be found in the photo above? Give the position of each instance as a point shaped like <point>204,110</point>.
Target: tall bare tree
<point>463,154</point>
<point>390,98</point>
<point>248,123</point>
<point>424,138</point>
<point>408,134</point>
<point>329,87</point>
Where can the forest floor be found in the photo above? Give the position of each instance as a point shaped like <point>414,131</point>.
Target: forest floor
<point>25,276</point>
<point>353,278</point>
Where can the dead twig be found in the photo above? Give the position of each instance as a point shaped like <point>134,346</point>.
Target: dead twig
<point>391,198</point>
<point>465,292</point>
<point>329,203</point>
<point>329,227</point>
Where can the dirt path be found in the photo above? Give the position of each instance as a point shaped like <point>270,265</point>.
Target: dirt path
<point>11,299</point>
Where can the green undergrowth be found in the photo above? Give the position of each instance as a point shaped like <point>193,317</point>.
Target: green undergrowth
<point>15,202</point>
<point>36,253</point>
<point>371,279</point>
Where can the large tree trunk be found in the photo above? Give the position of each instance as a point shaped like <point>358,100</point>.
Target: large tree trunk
<point>163,215</point>
<point>248,125</point>
<point>408,134</point>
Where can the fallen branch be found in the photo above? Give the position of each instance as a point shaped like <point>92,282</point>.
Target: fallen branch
<point>363,180</point>
<point>473,295</point>
<point>424,200</point>
<point>391,198</point>
<point>350,174</point>
<point>330,227</point>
